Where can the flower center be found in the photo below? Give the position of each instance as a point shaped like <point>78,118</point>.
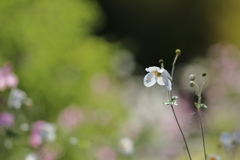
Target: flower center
<point>157,74</point>
<point>212,158</point>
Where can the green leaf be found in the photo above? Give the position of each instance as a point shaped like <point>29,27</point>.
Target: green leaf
<point>10,133</point>
<point>172,102</point>
<point>200,106</point>
<point>203,106</point>
<point>196,104</point>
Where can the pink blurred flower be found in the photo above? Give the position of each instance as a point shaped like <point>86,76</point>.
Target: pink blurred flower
<point>106,153</point>
<point>6,119</point>
<point>38,126</point>
<point>35,140</point>
<point>70,118</point>
<point>7,78</point>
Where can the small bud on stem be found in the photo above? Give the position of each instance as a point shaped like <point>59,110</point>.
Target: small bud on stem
<point>178,52</point>
<point>192,77</point>
<point>161,62</point>
<point>192,84</point>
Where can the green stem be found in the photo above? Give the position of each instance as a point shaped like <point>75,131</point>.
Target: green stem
<point>170,99</point>
<point>189,155</point>
<point>200,123</point>
<point>200,118</point>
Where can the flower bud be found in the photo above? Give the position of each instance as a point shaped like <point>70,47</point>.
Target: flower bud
<point>192,83</point>
<point>178,51</point>
<point>160,61</point>
<point>204,74</point>
<point>192,77</point>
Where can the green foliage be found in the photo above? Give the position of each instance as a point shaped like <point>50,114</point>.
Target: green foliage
<point>55,56</point>
<point>172,102</point>
<point>200,106</point>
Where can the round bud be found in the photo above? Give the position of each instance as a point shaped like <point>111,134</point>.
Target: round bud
<point>192,77</point>
<point>204,74</point>
<point>178,51</point>
<point>160,61</point>
<point>192,84</point>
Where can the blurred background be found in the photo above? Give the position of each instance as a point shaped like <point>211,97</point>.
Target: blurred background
<point>71,78</point>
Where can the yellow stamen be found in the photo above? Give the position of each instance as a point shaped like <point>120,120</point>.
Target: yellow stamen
<point>212,158</point>
<point>157,73</point>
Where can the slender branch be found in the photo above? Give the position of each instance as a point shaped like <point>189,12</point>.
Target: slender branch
<point>181,133</point>
<point>173,65</point>
<point>200,118</point>
<point>200,122</point>
<point>175,116</point>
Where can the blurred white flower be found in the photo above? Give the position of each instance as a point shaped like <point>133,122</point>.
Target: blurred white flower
<point>32,156</point>
<point>48,132</point>
<point>213,157</point>
<point>161,76</point>
<point>226,139</point>
<point>16,98</point>
<point>126,146</point>
<point>73,140</point>
<point>230,141</point>
<point>24,127</point>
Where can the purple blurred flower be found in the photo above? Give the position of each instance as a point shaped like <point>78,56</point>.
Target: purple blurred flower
<point>38,126</point>
<point>6,119</point>
<point>7,78</point>
<point>70,118</point>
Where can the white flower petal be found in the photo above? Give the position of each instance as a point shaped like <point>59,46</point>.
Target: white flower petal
<point>149,80</point>
<point>226,140</point>
<point>214,156</point>
<point>160,81</point>
<point>151,69</point>
<point>166,73</point>
<point>166,81</point>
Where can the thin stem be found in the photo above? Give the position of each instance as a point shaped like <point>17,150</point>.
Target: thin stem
<point>170,99</point>
<point>173,65</point>
<point>200,122</point>
<point>181,132</point>
<point>200,117</point>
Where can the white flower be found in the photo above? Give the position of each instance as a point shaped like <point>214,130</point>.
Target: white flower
<point>32,156</point>
<point>48,132</point>
<point>73,140</point>
<point>161,76</point>
<point>213,157</point>
<point>126,146</point>
<point>16,98</point>
<point>227,140</point>
<point>230,141</point>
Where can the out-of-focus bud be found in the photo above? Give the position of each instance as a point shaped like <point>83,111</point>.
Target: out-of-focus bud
<point>192,77</point>
<point>178,51</point>
<point>192,83</point>
<point>204,74</point>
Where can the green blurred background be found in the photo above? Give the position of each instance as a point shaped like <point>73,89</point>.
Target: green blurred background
<point>92,54</point>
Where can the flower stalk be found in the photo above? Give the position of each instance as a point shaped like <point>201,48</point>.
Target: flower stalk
<point>178,52</point>
<point>199,106</point>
